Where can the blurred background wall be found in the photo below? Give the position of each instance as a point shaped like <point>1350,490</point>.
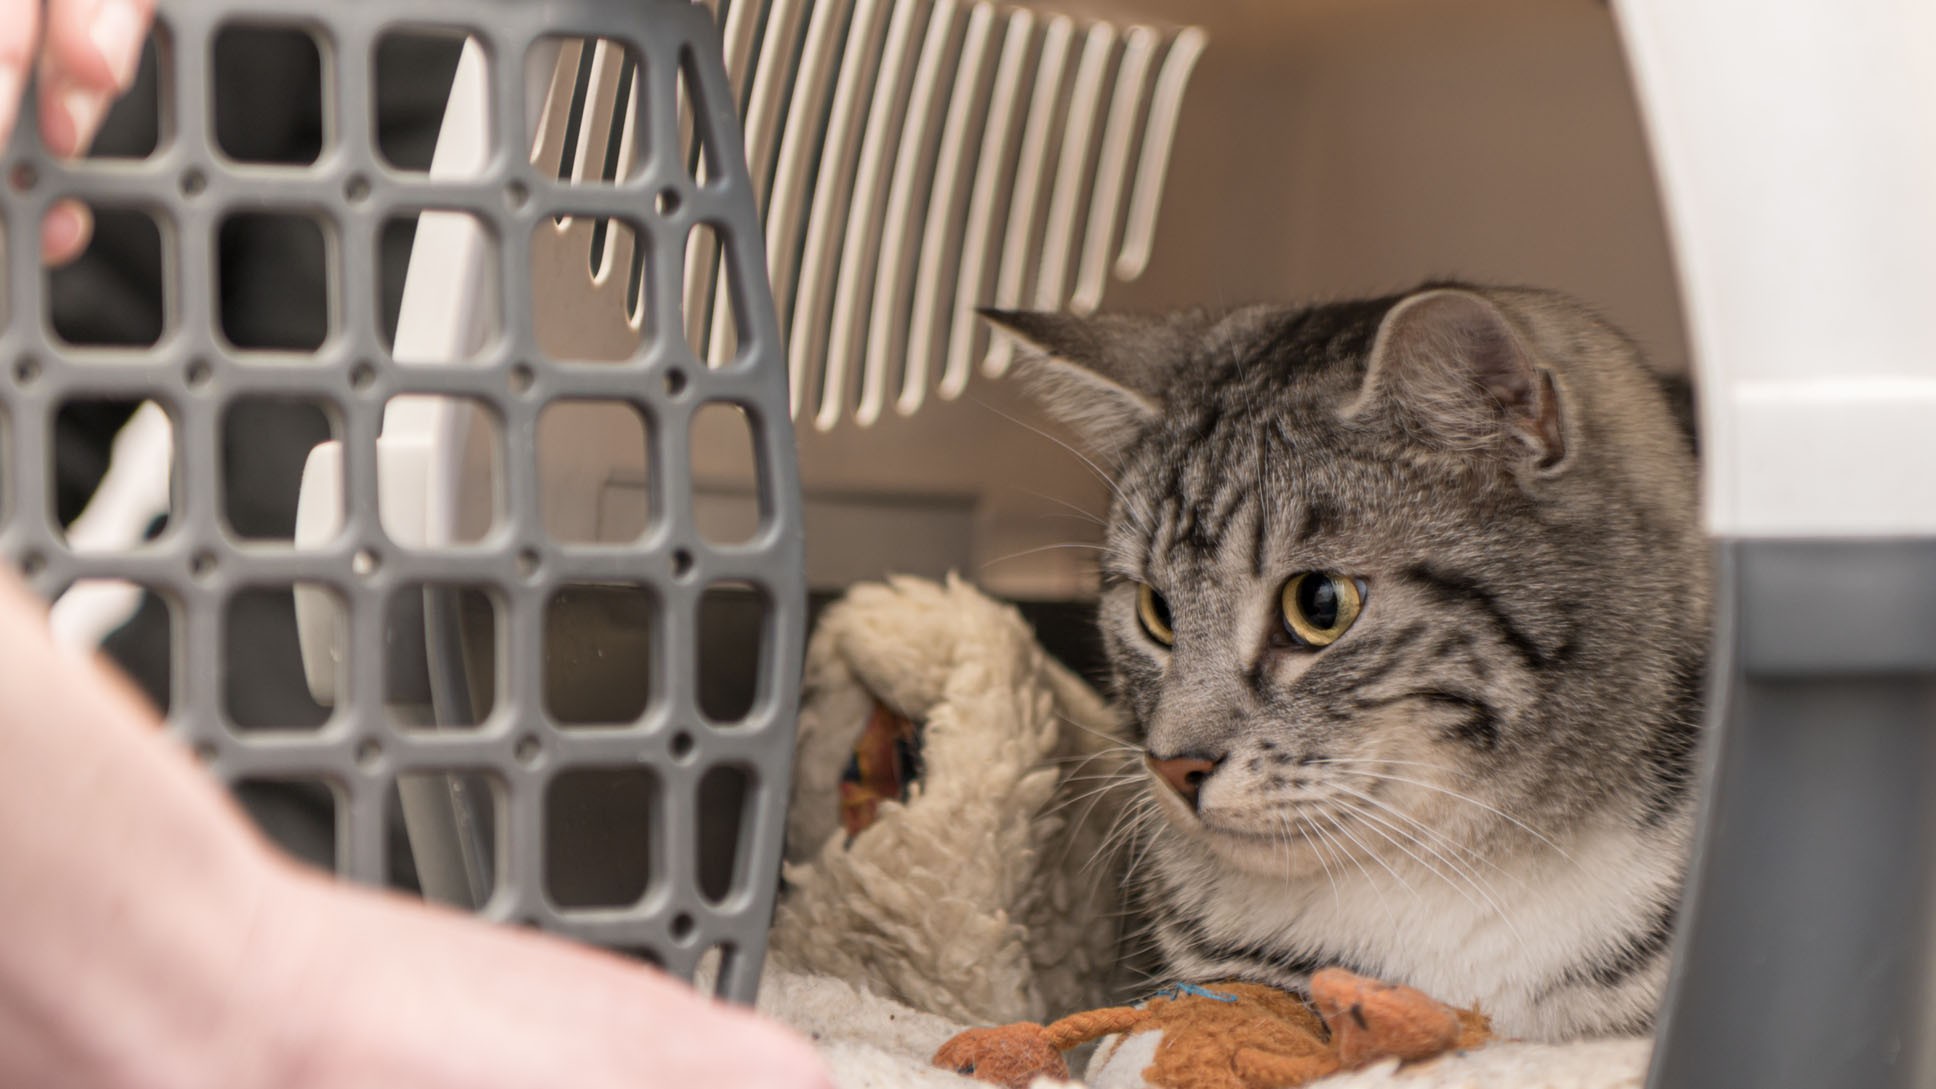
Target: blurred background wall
<point>1328,148</point>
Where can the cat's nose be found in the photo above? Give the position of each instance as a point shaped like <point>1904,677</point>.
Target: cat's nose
<point>1184,773</point>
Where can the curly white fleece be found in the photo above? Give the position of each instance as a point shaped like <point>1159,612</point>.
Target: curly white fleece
<point>984,898</point>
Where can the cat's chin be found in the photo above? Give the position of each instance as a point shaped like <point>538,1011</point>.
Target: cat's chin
<point>1269,854</point>
<point>1266,856</point>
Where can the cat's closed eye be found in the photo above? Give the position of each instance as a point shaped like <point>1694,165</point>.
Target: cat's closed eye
<point>1154,614</point>
<point>1318,608</point>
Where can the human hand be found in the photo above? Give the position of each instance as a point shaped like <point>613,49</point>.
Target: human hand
<point>84,57</point>
<point>370,989</point>
<point>155,941</point>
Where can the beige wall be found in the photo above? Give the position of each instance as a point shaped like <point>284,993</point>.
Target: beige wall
<point>1338,148</point>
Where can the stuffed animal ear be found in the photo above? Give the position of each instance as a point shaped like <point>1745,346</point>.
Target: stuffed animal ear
<point>1459,371</point>
<point>1104,375</point>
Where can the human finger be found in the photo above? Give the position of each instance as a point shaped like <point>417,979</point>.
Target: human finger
<point>92,51</point>
<point>462,1005</point>
<point>19,33</point>
<point>65,232</point>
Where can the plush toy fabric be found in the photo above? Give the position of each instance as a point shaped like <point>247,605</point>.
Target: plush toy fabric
<point>870,1042</point>
<point>1230,1035</point>
<point>984,895</point>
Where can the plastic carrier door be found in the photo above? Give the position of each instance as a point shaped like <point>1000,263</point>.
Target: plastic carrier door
<point>384,536</point>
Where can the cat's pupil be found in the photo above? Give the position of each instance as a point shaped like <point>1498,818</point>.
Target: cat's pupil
<point>1317,599</point>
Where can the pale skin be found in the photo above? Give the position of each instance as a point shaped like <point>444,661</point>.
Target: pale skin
<point>81,54</point>
<point>153,940</point>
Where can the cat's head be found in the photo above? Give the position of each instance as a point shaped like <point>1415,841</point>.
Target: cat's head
<point>1421,568</point>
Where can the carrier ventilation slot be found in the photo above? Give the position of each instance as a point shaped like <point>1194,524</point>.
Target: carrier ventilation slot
<point>912,160</point>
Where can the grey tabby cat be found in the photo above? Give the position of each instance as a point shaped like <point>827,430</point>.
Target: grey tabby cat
<point>1408,601</point>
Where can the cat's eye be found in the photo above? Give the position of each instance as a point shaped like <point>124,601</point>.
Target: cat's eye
<point>1154,614</point>
<point>1318,608</point>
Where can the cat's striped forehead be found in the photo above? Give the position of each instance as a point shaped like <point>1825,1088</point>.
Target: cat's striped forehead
<point>1250,430</point>
<point>1252,476</point>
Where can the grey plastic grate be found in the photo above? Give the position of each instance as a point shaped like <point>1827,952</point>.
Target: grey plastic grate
<point>936,156</point>
<point>200,567</point>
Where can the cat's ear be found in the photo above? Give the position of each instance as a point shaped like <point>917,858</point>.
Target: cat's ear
<point>1102,375</point>
<point>1454,366</point>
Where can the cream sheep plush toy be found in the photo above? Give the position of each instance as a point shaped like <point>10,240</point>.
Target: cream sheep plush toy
<point>949,837</point>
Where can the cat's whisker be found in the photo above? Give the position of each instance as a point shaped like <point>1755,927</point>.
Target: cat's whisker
<point>1076,768</point>
<point>1044,548</point>
<point>1116,822</point>
<point>1344,829</point>
<point>1090,794</point>
<point>1444,841</point>
<point>1091,786</point>
<point>1111,779</point>
<point>1115,740</point>
<point>1317,851</point>
<point>1116,839</point>
<point>1099,873</point>
<point>1124,828</point>
<point>1094,797</point>
<point>1095,785</point>
<point>1471,876</point>
<point>1472,880</point>
<point>1107,480</point>
<point>1450,793</point>
<point>1073,518</point>
<point>1115,749</point>
<point>1149,815</point>
<point>1128,754</point>
<point>1148,976</point>
<point>1377,889</point>
<point>1385,761</point>
<point>1371,824</point>
<point>1111,746</point>
<point>1059,501</point>
<point>1097,777</point>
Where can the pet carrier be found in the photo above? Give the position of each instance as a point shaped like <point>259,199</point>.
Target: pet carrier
<point>505,564</point>
<point>891,161</point>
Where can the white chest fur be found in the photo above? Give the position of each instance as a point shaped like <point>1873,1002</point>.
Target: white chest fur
<point>1550,941</point>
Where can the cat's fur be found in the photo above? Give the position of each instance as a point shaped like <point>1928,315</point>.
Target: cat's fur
<point>1483,788</point>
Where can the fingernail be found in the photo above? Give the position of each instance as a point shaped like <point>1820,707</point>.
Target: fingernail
<point>12,81</point>
<point>117,32</point>
<point>84,111</point>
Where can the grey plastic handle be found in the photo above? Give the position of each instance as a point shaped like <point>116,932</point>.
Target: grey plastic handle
<point>1805,948</point>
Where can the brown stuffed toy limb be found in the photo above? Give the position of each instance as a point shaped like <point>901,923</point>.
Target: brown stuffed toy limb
<point>1235,1035</point>
<point>1370,1020</point>
<point>1015,1055</point>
